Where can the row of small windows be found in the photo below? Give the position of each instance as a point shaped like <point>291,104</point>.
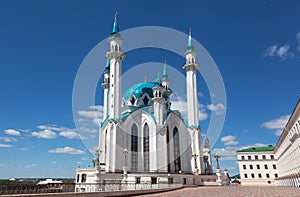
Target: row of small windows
<point>258,167</point>
<point>256,157</point>
<point>259,175</point>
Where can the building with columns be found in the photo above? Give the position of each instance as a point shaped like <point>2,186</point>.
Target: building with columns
<point>141,135</point>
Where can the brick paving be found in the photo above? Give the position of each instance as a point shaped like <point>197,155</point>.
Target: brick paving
<point>232,191</point>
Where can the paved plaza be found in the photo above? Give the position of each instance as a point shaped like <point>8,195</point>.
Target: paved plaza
<point>232,191</point>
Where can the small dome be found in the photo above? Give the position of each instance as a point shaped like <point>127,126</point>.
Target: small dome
<point>138,90</point>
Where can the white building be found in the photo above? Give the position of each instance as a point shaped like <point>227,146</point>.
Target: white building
<point>287,151</point>
<point>282,161</point>
<point>141,135</point>
<point>257,165</point>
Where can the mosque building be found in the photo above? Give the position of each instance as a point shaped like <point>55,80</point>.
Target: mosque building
<point>141,139</point>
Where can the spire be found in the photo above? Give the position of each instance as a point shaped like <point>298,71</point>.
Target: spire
<point>207,142</point>
<point>190,45</point>
<point>165,72</point>
<point>145,79</point>
<point>115,25</point>
<point>158,80</point>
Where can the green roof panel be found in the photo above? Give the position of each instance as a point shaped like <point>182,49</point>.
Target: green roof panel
<point>258,149</point>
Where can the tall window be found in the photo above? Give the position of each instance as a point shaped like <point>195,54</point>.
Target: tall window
<point>168,149</point>
<point>134,148</point>
<point>146,148</point>
<point>176,150</point>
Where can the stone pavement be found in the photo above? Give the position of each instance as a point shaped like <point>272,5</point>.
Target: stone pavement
<point>232,191</point>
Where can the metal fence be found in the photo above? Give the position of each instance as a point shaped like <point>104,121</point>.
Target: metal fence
<point>35,189</point>
<point>96,187</point>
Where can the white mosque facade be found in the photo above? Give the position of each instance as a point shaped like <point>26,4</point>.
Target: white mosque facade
<point>141,136</point>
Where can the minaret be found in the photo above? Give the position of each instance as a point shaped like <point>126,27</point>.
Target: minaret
<point>165,79</point>
<point>105,86</point>
<point>191,68</point>
<point>159,102</point>
<point>116,56</point>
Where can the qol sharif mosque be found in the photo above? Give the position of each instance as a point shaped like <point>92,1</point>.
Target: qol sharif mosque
<point>141,139</point>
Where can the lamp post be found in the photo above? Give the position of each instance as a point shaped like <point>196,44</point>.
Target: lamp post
<point>195,160</point>
<point>217,159</point>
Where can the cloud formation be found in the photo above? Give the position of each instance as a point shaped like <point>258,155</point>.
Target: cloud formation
<point>5,145</point>
<point>229,140</point>
<point>67,150</point>
<point>279,51</point>
<point>218,108</point>
<point>12,132</point>
<point>277,124</point>
<point>45,134</point>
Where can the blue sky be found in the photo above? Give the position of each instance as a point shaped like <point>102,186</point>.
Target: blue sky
<point>256,47</point>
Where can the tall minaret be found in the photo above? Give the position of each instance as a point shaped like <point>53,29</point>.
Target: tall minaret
<point>191,68</point>
<point>165,81</point>
<point>105,86</point>
<point>116,57</point>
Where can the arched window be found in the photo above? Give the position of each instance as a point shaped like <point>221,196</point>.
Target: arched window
<point>168,149</point>
<point>116,47</point>
<point>146,147</point>
<point>177,162</point>
<point>134,148</point>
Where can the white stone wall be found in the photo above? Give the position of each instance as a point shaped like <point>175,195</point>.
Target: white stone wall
<point>288,151</point>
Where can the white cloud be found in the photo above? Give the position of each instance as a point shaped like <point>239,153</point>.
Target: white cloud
<point>49,127</point>
<point>67,150</point>
<point>69,134</point>
<point>277,124</point>
<point>46,134</point>
<point>279,51</point>
<point>8,139</point>
<point>181,106</point>
<point>229,140</point>
<point>24,148</point>
<point>85,158</point>
<point>93,114</point>
<point>53,162</point>
<point>51,130</point>
<point>227,153</point>
<point>31,165</point>
<point>5,145</point>
<point>12,132</point>
<point>218,109</point>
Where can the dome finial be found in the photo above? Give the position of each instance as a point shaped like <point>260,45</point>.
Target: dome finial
<point>115,25</point>
<point>116,14</point>
<point>145,79</point>
<point>165,72</point>
<point>190,38</point>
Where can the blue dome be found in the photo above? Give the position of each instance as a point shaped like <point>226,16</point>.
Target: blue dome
<point>138,90</point>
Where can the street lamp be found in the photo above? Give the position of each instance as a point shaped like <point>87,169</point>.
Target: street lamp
<point>217,158</point>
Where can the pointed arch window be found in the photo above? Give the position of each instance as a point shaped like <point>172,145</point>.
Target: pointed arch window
<point>145,100</point>
<point>168,149</point>
<point>134,148</point>
<point>146,147</point>
<point>177,160</point>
